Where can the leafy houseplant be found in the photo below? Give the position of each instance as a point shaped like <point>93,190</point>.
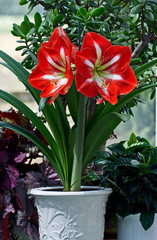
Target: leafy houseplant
<point>19,174</point>
<point>130,167</point>
<point>100,69</point>
<point>70,150</point>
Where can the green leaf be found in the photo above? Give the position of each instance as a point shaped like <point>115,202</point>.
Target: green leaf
<point>72,100</point>
<point>135,60</point>
<point>42,103</point>
<point>153,156</point>
<point>49,111</point>
<point>147,195</point>
<point>58,19</point>
<point>33,57</point>
<point>117,148</point>
<point>100,158</point>
<point>98,12</point>
<point>107,28</point>
<point>136,146</point>
<point>29,135</point>
<point>25,27</point>
<point>20,48</point>
<point>21,73</point>
<point>115,2</point>
<point>126,99</point>
<point>136,17</point>
<point>51,14</point>
<point>83,12</point>
<point>56,11</point>
<point>71,149</point>
<point>153,94</point>
<point>149,15</point>
<point>26,18</point>
<point>132,139</point>
<point>79,144</point>
<point>31,116</point>
<point>15,33</point>
<point>109,3</point>
<point>62,118</point>
<point>23,2</point>
<point>137,9</point>
<point>104,127</point>
<point>37,142</point>
<point>146,219</point>
<point>140,70</point>
<point>37,19</point>
<point>16,29</point>
<point>32,30</point>
<point>152,1</point>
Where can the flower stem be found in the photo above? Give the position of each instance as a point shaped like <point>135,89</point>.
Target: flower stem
<point>78,152</point>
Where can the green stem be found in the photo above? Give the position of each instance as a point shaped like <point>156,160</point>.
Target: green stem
<point>78,152</point>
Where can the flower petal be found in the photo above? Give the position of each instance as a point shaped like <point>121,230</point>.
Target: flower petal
<point>128,82</point>
<point>59,32</point>
<point>115,59</point>
<point>38,79</point>
<point>91,38</point>
<point>108,93</point>
<point>52,60</point>
<point>86,86</point>
<point>52,89</point>
<point>85,61</point>
<point>51,100</point>
<point>74,51</point>
<point>114,87</point>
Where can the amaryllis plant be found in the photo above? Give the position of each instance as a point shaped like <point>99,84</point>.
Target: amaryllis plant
<point>98,69</point>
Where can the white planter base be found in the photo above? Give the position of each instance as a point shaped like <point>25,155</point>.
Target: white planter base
<point>71,215</point>
<point>130,228</point>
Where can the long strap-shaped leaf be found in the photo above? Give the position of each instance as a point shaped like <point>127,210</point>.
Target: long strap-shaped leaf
<point>49,111</point>
<point>99,133</point>
<point>72,98</point>
<point>126,98</point>
<point>64,130</point>
<point>21,73</point>
<point>42,146</point>
<point>102,110</point>
<point>32,117</point>
<point>62,118</point>
<point>140,70</point>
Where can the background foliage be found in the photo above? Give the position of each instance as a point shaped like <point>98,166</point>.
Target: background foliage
<point>129,23</point>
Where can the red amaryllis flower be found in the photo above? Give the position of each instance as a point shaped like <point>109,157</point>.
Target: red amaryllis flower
<point>53,74</point>
<point>103,69</point>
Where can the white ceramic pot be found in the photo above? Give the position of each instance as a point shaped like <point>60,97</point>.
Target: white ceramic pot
<point>71,215</point>
<point>130,228</point>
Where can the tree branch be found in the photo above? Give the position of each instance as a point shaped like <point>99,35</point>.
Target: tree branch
<point>78,2</point>
<point>145,40</point>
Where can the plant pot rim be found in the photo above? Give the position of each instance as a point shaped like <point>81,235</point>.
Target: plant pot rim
<point>58,191</point>
<point>132,216</point>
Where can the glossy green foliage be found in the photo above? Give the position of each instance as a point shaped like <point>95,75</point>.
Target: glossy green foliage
<point>130,168</point>
<point>122,22</point>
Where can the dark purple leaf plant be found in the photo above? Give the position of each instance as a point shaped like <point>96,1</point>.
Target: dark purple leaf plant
<point>19,172</point>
